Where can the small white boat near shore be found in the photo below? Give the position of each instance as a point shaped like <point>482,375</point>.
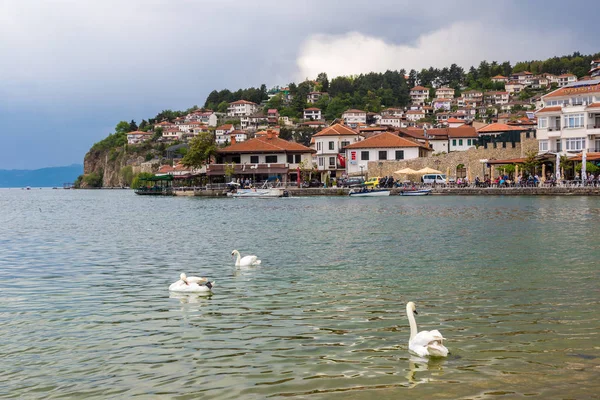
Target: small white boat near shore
<point>266,191</point>
<point>421,192</point>
<point>369,192</point>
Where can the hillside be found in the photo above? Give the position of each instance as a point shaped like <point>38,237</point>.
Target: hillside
<point>44,177</point>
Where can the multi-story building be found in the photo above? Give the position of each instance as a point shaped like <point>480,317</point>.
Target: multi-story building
<point>570,119</point>
<point>441,104</point>
<point>353,116</point>
<point>312,113</point>
<point>222,133</point>
<point>499,78</point>
<point>595,69</point>
<point>415,115</point>
<point>444,93</point>
<point>495,98</point>
<point>513,87</point>
<point>565,79</point>
<point>419,95</point>
<point>313,97</point>
<point>390,120</point>
<point>242,108</point>
<point>136,137</point>
<point>330,144</point>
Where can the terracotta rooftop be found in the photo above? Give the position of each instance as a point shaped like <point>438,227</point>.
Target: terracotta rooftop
<point>594,105</point>
<point>225,127</point>
<point>453,120</point>
<point>353,110</point>
<point>384,140</point>
<point>497,127</point>
<point>418,88</point>
<point>266,145</point>
<point>336,130</point>
<point>498,77</point>
<point>549,109</point>
<point>139,133</point>
<point>242,102</point>
<point>579,89</point>
<point>312,109</point>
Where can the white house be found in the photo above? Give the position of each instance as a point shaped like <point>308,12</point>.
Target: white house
<point>419,95</point>
<point>415,115</point>
<point>496,97</point>
<point>566,79</point>
<point>171,134</point>
<point>222,133</point>
<point>312,113</point>
<point>313,97</point>
<point>499,78</point>
<point>444,93</point>
<point>330,144</point>
<point>136,137</point>
<point>382,147</point>
<point>390,120</point>
<point>242,108</point>
<point>238,136</point>
<point>513,87</point>
<point>462,138</point>
<point>353,116</point>
<point>441,104</point>
<point>570,119</point>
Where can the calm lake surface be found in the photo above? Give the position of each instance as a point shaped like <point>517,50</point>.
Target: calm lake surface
<point>85,311</point>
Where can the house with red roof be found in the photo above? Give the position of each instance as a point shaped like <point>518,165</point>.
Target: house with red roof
<point>354,116</point>
<point>242,108</point>
<point>261,158</point>
<point>565,79</point>
<point>136,137</point>
<point>386,146</point>
<point>222,133</point>
<point>419,95</point>
<point>313,114</point>
<point>272,116</point>
<point>444,93</point>
<point>499,78</point>
<point>330,144</point>
<point>313,97</point>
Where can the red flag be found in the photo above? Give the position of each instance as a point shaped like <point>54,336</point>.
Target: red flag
<point>341,160</point>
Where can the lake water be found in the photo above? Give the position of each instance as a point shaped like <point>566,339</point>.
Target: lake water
<point>511,282</point>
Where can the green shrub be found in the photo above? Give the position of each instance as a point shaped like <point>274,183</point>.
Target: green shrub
<point>136,180</point>
<point>93,179</point>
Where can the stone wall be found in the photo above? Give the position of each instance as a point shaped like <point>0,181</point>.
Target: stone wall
<point>470,159</point>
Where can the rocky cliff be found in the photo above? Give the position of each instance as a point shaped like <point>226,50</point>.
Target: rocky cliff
<point>110,165</point>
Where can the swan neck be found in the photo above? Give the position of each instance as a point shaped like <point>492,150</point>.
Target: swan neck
<point>412,322</point>
<point>238,257</point>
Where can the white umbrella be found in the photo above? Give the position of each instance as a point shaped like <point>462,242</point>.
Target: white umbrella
<point>583,166</point>
<point>408,171</point>
<point>428,170</point>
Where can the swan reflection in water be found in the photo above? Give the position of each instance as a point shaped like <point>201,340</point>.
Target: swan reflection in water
<point>421,365</point>
<point>189,298</point>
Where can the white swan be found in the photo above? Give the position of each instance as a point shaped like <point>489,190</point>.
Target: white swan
<point>424,343</point>
<point>246,261</point>
<point>192,284</point>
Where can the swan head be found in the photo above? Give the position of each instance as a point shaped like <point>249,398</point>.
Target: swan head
<point>234,252</point>
<point>410,307</point>
<point>183,277</point>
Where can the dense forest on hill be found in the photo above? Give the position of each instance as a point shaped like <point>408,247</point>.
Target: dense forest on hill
<point>373,91</point>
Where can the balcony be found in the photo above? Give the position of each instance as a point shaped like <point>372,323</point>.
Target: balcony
<point>594,126</point>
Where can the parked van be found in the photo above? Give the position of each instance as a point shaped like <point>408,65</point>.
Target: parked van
<point>433,178</point>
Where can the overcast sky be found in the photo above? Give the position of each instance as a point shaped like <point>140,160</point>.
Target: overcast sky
<point>71,69</point>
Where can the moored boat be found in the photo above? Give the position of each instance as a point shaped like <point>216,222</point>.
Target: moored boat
<point>421,192</point>
<point>369,192</point>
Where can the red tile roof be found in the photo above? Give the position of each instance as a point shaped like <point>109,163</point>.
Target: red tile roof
<point>496,127</point>
<point>225,127</point>
<point>499,77</point>
<point>353,110</point>
<point>549,109</point>
<point>312,109</point>
<point>453,120</point>
<point>139,133</point>
<point>266,145</point>
<point>242,102</point>
<point>594,105</point>
<point>336,130</point>
<point>418,88</point>
<point>566,91</point>
<point>384,140</point>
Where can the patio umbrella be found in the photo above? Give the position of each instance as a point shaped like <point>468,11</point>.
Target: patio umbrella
<point>557,169</point>
<point>408,171</point>
<point>447,174</point>
<point>543,172</point>
<point>583,165</point>
<point>428,170</point>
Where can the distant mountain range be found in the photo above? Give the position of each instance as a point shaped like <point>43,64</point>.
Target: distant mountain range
<point>44,177</point>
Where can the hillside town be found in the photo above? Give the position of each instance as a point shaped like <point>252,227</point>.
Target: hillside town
<point>562,117</point>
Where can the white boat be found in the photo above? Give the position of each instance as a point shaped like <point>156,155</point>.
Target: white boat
<point>369,192</point>
<point>263,192</point>
<point>421,192</point>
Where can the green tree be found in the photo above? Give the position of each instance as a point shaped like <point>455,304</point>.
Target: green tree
<point>132,126</point>
<point>127,175</point>
<point>201,149</point>
<point>122,127</point>
<point>222,107</point>
<point>136,181</point>
<point>93,180</point>
<point>323,81</point>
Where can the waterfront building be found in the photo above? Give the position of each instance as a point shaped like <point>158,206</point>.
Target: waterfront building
<point>570,119</point>
<point>330,144</point>
<point>261,158</point>
<point>386,146</point>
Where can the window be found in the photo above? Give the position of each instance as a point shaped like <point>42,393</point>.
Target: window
<point>270,159</point>
<point>460,141</point>
<point>468,142</point>
<point>383,155</point>
<point>318,146</point>
<point>290,158</point>
<point>236,159</point>
<point>399,154</point>
<point>574,144</point>
<point>364,155</point>
<point>558,145</point>
<point>453,142</point>
<point>574,121</point>
<point>298,158</point>
<point>331,145</point>
<point>344,144</point>
<point>542,122</point>
<point>321,163</point>
<point>254,159</point>
<point>332,161</point>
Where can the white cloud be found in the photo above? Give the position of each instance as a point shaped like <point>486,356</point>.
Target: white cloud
<point>463,43</point>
